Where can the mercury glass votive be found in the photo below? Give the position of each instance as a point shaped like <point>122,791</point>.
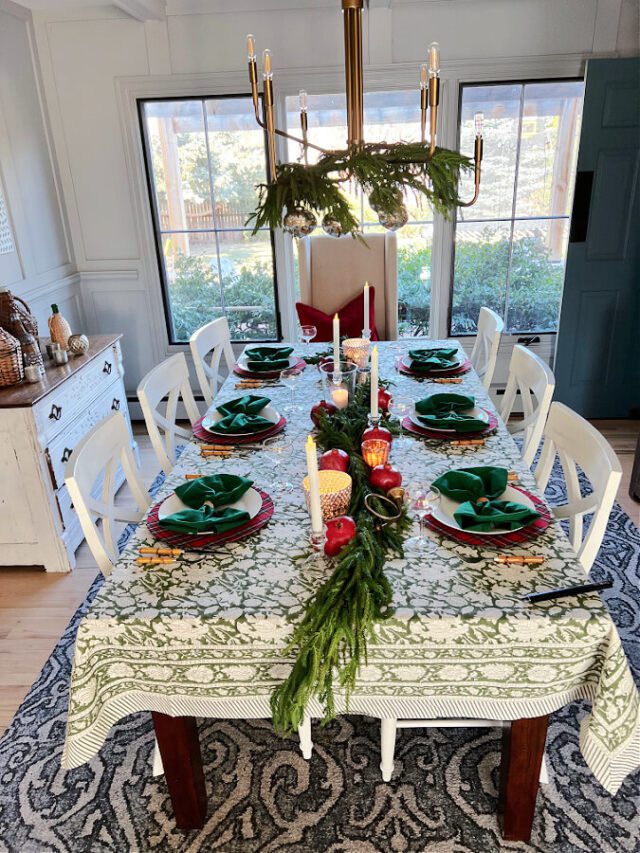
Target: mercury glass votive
<point>335,493</point>
<point>375,451</point>
<point>357,351</point>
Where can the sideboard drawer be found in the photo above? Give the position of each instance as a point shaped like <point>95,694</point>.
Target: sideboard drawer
<point>61,448</point>
<point>57,410</point>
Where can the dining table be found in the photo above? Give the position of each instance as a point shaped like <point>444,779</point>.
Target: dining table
<point>206,635</point>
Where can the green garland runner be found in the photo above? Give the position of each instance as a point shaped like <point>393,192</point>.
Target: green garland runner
<point>331,640</point>
<point>383,170</point>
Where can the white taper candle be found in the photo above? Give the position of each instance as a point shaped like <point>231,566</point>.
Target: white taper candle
<point>365,324</point>
<point>314,486</point>
<point>336,343</point>
<point>374,382</point>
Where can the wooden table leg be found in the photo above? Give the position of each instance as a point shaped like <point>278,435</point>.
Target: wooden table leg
<point>180,750</point>
<point>522,751</point>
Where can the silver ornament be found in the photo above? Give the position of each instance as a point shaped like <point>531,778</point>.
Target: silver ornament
<point>375,203</point>
<point>331,226</point>
<point>78,344</point>
<point>299,222</point>
<point>394,220</point>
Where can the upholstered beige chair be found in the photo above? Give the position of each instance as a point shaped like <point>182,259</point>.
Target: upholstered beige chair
<point>334,270</point>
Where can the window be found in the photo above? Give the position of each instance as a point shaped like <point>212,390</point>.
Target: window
<point>204,158</point>
<point>389,116</point>
<point>511,246</point>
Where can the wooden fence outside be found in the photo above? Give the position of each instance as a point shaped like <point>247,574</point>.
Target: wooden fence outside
<point>199,217</point>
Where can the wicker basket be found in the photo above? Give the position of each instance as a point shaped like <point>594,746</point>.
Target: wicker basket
<point>11,369</point>
<point>10,304</point>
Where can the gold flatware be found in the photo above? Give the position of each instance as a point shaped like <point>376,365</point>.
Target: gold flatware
<point>444,381</point>
<point>160,551</point>
<point>207,454</point>
<point>468,442</point>
<point>228,447</point>
<point>512,477</point>
<point>518,560</point>
<point>154,561</point>
<point>193,476</point>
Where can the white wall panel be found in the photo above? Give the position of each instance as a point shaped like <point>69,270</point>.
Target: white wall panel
<point>489,29</point>
<point>200,43</point>
<point>87,56</point>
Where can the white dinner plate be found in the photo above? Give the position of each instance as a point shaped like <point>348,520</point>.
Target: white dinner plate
<point>211,419</point>
<point>443,512</point>
<point>242,361</point>
<point>251,502</point>
<point>477,413</point>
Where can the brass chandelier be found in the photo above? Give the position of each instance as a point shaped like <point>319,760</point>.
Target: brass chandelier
<point>298,192</point>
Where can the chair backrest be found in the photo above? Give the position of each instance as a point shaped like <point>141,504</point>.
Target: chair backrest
<point>334,269</point>
<point>485,350</point>
<point>577,443</point>
<point>90,477</point>
<point>535,381</point>
<point>169,380</point>
<point>211,342</point>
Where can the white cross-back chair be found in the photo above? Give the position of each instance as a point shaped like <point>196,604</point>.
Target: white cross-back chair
<point>575,442</point>
<point>529,375</point>
<point>170,381</point>
<point>99,454</point>
<point>210,343</point>
<point>485,350</point>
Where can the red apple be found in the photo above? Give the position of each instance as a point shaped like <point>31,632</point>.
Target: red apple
<point>340,531</point>
<point>385,477</point>
<point>377,432</point>
<point>384,398</point>
<point>322,406</point>
<point>334,460</point>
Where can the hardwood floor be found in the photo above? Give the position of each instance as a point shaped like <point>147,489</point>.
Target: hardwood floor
<point>35,607</point>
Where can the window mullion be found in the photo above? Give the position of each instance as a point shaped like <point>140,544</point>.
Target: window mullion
<point>212,198</point>
<point>514,201</point>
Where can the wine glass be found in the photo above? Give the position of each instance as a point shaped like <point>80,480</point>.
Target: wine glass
<point>308,333</point>
<point>401,407</point>
<point>280,449</point>
<point>290,378</point>
<point>422,501</point>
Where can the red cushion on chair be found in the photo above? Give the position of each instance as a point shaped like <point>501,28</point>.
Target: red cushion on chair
<point>351,316</point>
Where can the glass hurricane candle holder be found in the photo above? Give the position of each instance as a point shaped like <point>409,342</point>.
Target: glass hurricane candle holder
<point>357,351</point>
<point>335,493</point>
<point>375,451</point>
<point>339,385</point>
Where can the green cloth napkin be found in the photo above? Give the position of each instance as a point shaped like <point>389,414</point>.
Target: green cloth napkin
<point>268,358</point>
<point>468,485</point>
<point>432,358</point>
<point>242,415</point>
<point>207,499</point>
<point>444,411</point>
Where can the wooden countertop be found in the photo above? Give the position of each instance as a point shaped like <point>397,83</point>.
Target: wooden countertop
<point>27,394</point>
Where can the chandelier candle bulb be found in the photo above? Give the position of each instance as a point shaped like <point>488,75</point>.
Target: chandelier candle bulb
<point>336,343</point>
<point>433,56</point>
<point>266,64</point>
<point>315,507</point>
<point>365,326</point>
<point>303,101</point>
<point>251,48</point>
<point>374,384</point>
<point>479,123</point>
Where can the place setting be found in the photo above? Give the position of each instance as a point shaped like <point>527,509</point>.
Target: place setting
<point>246,420</point>
<point>434,363</point>
<point>446,417</point>
<point>266,363</point>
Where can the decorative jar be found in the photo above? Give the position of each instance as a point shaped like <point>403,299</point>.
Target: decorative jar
<point>339,386</point>
<point>335,493</point>
<point>356,350</point>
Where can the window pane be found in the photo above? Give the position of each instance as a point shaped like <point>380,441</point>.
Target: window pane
<point>248,284</point>
<point>203,175</point>
<point>551,119</point>
<point>194,292</point>
<point>501,107</point>
<point>539,253</point>
<point>480,272</point>
<point>414,279</point>
<point>175,131</point>
<point>236,146</point>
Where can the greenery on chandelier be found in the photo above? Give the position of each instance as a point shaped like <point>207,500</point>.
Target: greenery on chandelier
<point>331,640</point>
<point>382,170</point>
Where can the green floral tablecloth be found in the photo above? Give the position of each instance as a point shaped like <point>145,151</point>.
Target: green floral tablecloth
<point>205,638</point>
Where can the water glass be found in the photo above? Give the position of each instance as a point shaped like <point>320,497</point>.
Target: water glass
<point>290,378</point>
<point>307,334</point>
<point>280,449</point>
<point>401,407</point>
<point>422,501</point>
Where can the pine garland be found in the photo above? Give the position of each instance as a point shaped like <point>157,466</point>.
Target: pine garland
<point>383,170</point>
<point>331,640</point>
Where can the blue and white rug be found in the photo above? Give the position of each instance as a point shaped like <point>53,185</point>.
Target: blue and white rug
<point>264,797</point>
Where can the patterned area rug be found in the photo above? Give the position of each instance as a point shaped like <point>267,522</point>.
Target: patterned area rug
<point>264,797</point>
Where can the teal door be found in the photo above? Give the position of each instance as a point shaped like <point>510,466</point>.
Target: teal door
<point>597,363</point>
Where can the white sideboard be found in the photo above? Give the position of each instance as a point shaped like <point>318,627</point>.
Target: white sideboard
<point>40,425</point>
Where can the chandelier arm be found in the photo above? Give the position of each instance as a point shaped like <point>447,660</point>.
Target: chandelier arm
<point>478,169</point>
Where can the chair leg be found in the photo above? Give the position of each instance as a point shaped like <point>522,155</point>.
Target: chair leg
<point>388,728</point>
<point>304,733</point>
<point>544,772</point>
<point>157,767</point>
